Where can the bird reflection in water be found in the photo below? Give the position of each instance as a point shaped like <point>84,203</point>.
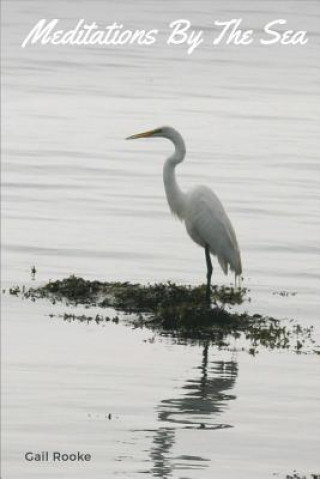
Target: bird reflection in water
<point>205,398</point>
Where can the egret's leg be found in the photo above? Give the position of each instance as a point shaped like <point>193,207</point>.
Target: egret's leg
<point>209,274</point>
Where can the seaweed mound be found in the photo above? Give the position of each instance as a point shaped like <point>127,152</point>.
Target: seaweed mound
<point>176,310</point>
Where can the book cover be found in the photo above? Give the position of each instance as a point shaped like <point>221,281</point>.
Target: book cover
<point>160,239</point>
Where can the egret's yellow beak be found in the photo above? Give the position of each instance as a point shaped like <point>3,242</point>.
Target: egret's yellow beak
<point>145,134</point>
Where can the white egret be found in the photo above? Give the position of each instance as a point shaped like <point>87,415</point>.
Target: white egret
<point>205,218</point>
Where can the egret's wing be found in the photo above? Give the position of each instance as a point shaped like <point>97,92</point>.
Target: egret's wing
<point>208,223</point>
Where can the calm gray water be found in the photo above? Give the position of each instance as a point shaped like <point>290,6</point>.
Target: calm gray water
<point>80,199</point>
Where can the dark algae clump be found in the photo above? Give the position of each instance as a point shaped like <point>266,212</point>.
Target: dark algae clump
<point>73,289</point>
<point>176,310</point>
<point>298,475</point>
<point>135,298</point>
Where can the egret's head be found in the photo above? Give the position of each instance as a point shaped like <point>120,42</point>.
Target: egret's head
<point>163,132</point>
<point>170,134</point>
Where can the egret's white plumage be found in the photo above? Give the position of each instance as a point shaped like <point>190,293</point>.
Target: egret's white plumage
<point>207,223</point>
<point>205,218</point>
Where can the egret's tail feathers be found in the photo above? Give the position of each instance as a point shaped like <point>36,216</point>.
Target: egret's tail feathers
<point>233,263</point>
<point>237,281</point>
<point>224,264</point>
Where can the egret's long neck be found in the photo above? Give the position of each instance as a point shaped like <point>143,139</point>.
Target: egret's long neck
<point>175,197</point>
